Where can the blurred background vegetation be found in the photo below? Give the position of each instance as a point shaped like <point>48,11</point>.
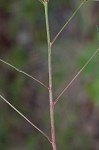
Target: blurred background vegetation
<point>23,44</point>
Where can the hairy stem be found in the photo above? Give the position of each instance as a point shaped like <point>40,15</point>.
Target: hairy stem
<point>53,137</point>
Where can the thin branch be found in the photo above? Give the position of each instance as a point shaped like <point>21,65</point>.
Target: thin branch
<point>75,12</point>
<point>23,73</point>
<point>75,77</point>
<point>26,118</point>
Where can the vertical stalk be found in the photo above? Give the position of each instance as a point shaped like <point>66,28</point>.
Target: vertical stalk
<point>53,137</point>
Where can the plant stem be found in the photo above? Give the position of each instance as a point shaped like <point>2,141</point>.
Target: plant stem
<point>53,137</point>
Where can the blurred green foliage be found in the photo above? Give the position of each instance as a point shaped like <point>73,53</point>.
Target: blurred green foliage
<point>18,57</point>
<point>17,85</point>
<point>4,131</point>
<point>93,90</point>
<point>32,142</point>
<point>91,71</point>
